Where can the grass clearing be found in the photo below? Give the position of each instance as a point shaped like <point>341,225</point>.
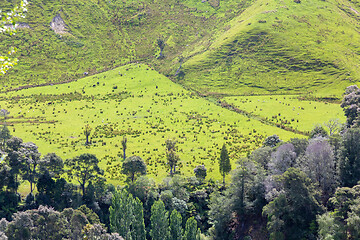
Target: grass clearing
<point>288,110</point>
<point>141,104</point>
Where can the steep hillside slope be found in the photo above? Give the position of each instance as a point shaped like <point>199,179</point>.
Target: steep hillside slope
<point>103,34</point>
<point>282,46</point>
<point>227,47</point>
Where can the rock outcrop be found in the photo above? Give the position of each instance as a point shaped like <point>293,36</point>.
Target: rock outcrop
<point>58,25</point>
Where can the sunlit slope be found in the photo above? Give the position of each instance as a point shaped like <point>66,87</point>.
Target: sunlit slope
<point>227,47</point>
<point>136,102</point>
<point>288,111</point>
<point>102,34</point>
<point>282,47</point>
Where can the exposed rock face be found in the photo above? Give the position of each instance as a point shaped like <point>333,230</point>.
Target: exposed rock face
<point>58,25</point>
<point>18,25</point>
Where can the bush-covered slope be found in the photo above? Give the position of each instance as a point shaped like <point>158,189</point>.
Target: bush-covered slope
<point>228,47</point>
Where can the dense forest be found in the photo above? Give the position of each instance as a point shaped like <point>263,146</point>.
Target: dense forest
<point>299,189</point>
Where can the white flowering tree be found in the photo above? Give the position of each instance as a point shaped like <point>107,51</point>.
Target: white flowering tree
<point>8,26</point>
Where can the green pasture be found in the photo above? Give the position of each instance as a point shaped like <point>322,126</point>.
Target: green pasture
<point>139,103</point>
<point>288,110</point>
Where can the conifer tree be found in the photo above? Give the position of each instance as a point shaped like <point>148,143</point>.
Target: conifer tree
<point>176,230</point>
<point>224,162</point>
<point>159,222</point>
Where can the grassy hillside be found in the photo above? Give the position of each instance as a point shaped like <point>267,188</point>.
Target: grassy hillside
<point>229,47</point>
<point>139,103</point>
<point>104,34</point>
<point>282,47</point>
<point>289,111</point>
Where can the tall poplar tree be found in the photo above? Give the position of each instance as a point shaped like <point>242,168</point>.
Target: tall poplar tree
<point>138,230</point>
<point>224,162</point>
<point>121,213</point>
<point>190,229</point>
<point>159,222</point>
<point>127,216</point>
<point>4,135</point>
<point>176,230</point>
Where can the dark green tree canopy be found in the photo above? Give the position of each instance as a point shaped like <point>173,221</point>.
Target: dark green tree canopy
<point>200,172</point>
<point>292,211</point>
<point>13,144</point>
<point>272,141</point>
<point>349,166</point>
<point>262,156</point>
<point>52,164</point>
<point>133,166</point>
<point>318,131</point>
<point>30,159</point>
<point>300,145</point>
<point>84,169</point>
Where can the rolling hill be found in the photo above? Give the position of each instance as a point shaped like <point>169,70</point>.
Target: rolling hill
<point>227,47</point>
<point>136,102</point>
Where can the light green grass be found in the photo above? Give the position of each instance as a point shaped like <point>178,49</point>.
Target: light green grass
<point>144,106</point>
<point>289,110</point>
